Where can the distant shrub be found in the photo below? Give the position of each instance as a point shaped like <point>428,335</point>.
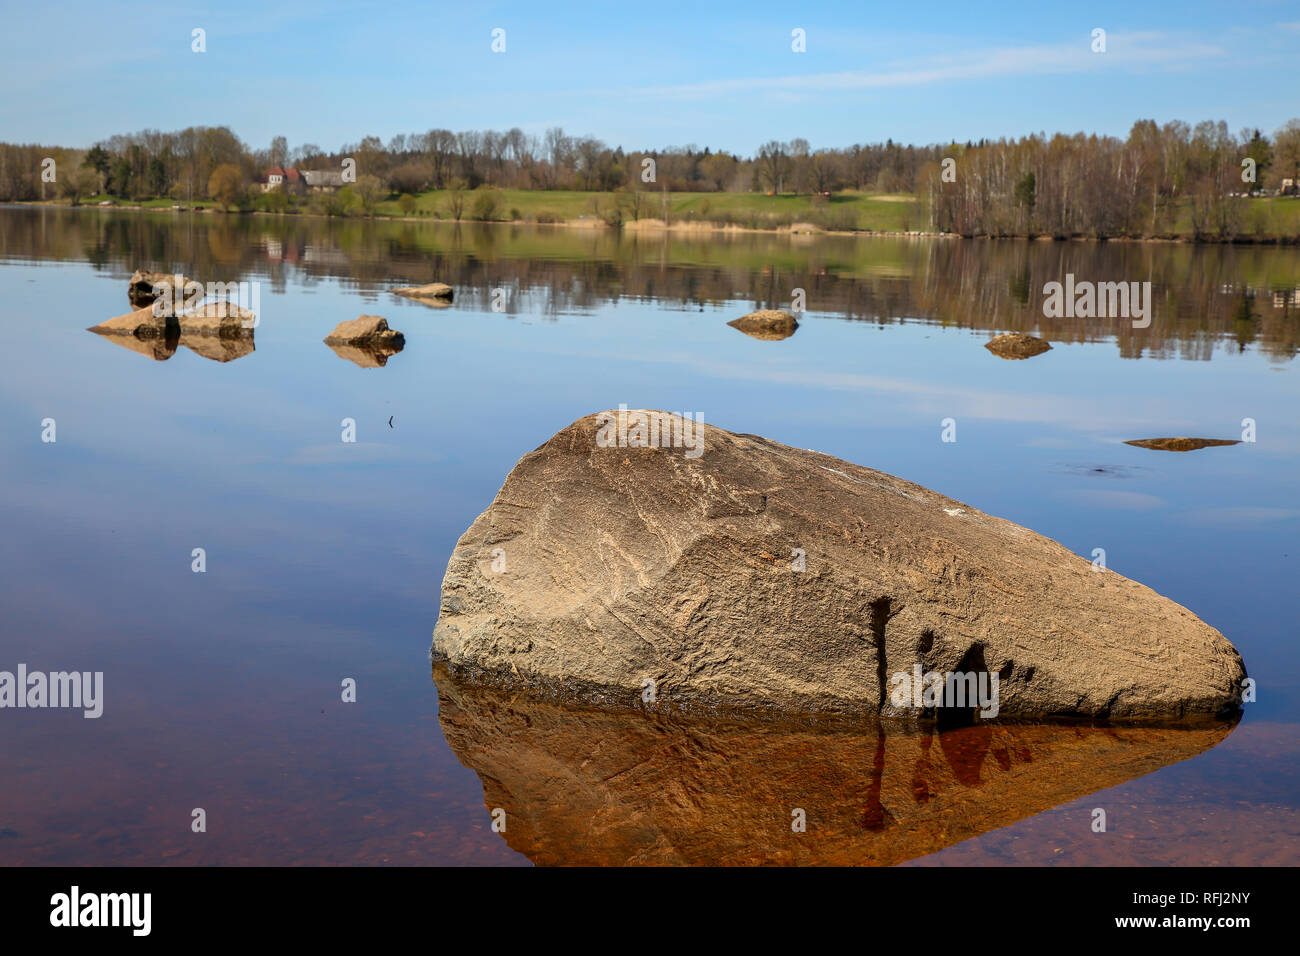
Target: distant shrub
<point>277,200</point>
<point>545,216</point>
<point>410,177</point>
<point>840,220</point>
<point>515,214</point>
<point>487,204</point>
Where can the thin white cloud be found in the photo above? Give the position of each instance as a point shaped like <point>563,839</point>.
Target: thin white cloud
<point>1129,51</point>
<point>1241,515</point>
<point>1122,500</point>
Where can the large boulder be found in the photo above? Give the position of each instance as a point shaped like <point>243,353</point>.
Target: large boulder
<point>727,570</point>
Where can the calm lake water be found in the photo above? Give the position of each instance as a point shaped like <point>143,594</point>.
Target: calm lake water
<point>324,559</point>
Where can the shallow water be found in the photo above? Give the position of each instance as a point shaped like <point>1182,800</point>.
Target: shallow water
<point>324,558</point>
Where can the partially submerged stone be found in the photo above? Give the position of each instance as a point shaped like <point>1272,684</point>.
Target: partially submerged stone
<point>433,290</point>
<point>221,331</point>
<point>366,341</point>
<point>145,286</point>
<point>365,329</point>
<point>144,322</point>
<point>1180,444</point>
<point>217,318</point>
<point>210,318</point>
<point>1017,345</point>
<point>764,577</point>
<point>767,324</point>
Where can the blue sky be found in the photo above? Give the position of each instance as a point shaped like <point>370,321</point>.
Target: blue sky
<point>644,74</point>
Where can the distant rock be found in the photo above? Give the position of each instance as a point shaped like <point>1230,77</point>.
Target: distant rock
<point>434,290</point>
<point>1017,345</point>
<point>143,288</point>
<point>769,325</point>
<point>366,341</point>
<point>731,571</point>
<point>1180,444</point>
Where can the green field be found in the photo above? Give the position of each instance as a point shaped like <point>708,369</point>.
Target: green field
<point>844,211</point>
<point>847,210</point>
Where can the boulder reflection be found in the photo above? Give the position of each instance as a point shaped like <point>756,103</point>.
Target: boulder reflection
<point>583,786</point>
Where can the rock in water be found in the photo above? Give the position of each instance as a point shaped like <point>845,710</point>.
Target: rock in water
<point>366,340</point>
<point>1181,444</point>
<point>221,331</point>
<point>365,330</point>
<point>434,290</point>
<point>144,322</point>
<point>217,318</point>
<point>728,570</point>
<point>1017,345</point>
<point>144,286</point>
<point>770,325</point>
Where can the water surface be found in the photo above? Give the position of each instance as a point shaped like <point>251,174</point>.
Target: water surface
<point>324,558</point>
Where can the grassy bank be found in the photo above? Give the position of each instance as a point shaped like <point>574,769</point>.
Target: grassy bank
<point>1262,218</point>
<point>846,211</point>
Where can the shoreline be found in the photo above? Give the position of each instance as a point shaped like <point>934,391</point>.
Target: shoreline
<point>650,225</point>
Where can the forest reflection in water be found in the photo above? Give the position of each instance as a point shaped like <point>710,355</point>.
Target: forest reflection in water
<point>1235,296</point>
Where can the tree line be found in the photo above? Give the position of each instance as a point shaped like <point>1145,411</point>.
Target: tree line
<point>179,165</point>
<point>1059,185</point>
<point>1103,186</point>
